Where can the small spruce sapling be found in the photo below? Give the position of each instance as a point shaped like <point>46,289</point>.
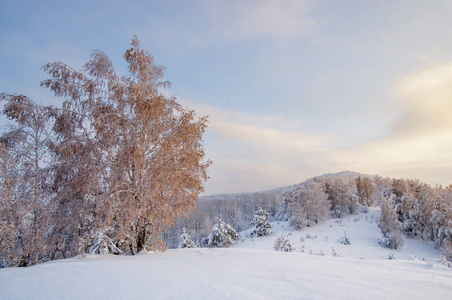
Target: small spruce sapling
<point>263,225</point>
<point>186,241</point>
<point>222,235</point>
<point>344,239</point>
<point>283,243</point>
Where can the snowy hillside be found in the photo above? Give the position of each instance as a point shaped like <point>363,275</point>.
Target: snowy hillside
<point>362,231</point>
<point>249,270</point>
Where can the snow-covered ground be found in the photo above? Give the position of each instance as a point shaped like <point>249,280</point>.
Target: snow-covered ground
<point>249,270</point>
<point>362,231</point>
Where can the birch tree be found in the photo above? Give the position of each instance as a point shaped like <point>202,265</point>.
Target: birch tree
<point>147,149</point>
<point>29,139</point>
<point>9,251</point>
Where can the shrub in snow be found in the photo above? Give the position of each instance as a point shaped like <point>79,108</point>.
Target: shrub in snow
<point>432,264</point>
<point>102,244</point>
<point>344,239</point>
<point>263,225</point>
<point>363,209</point>
<point>392,240</point>
<point>391,256</point>
<point>222,235</point>
<point>185,240</point>
<point>283,243</point>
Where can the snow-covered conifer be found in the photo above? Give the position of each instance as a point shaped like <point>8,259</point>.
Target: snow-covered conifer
<point>282,243</point>
<point>103,244</point>
<point>186,241</point>
<point>283,212</point>
<point>344,239</point>
<point>222,235</point>
<point>263,225</point>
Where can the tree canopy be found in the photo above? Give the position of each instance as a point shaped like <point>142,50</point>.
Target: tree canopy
<point>125,159</point>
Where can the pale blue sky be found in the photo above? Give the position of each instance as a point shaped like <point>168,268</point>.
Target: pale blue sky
<point>294,88</point>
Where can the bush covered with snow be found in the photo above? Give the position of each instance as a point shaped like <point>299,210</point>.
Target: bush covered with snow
<point>282,243</point>
<point>344,239</point>
<point>222,235</point>
<point>393,240</point>
<point>102,244</point>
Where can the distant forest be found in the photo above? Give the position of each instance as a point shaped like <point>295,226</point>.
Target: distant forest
<point>410,208</point>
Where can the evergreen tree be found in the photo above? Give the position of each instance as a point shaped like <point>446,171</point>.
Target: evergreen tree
<point>186,241</point>
<point>283,211</point>
<point>263,225</point>
<point>283,243</point>
<point>222,235</point>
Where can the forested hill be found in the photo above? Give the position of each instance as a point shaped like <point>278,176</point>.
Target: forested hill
<point>238,209</point>
<point>288,188</point>
<point>410,208</point>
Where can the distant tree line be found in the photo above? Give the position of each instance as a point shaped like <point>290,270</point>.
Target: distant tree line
<point>237,210</point>
<point>409,208</point>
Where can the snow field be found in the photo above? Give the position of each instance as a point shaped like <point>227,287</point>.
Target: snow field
<point>249,270</point>
<point>226,274</point>
<point>362,230</point>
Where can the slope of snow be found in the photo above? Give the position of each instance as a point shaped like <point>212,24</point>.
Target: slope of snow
<point>362,230</point>
<point>250,270</point>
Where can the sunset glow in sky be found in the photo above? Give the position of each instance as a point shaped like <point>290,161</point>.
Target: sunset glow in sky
<point>294,88</point>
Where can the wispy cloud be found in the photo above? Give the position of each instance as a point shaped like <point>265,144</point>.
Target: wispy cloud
<point>253,151</point>
<point>421,138</point>
<point>261,19</point>
<point>256,151</point>
<point>426,98</point>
